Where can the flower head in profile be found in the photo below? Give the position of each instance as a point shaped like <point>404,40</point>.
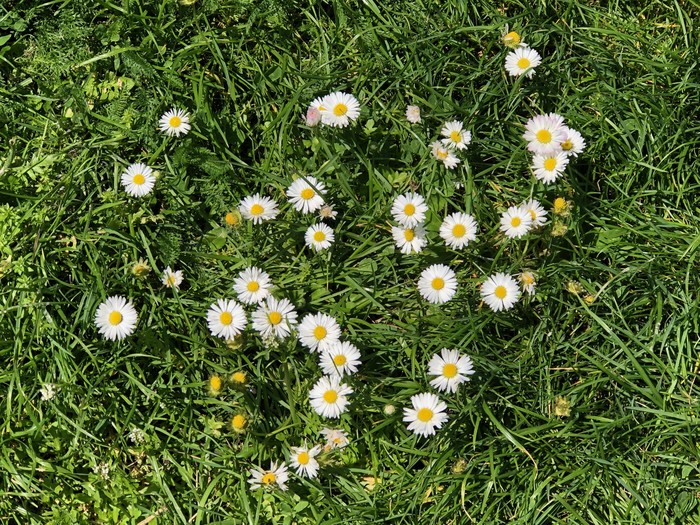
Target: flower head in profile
<point>444,155</point>
<point>226,318</point>
<point>257,209</point>
<point>409,209</point>
<point>455,136</point>
<point>335,438</point>
<point>138,180</point>
<point>303,460</point>
<point>252,285</point>
<point>516,222</point>
<point>500,292</point>
<point>409,240</point>
<point>458,229</point>
<point>319,237</point>
<point>306,194</point>
<point>327,212</point>
<point>339,109</point>
<point>522,61</point>
<point>413,114</point>
<point>275,317</point>
<point>275,476</point>
<point>175,122</point>
<point>328,397</point>
<point>451,369</point>
<point>545,133</point>
<point>116,318</point>
<point>437,283</point>
<point>528,282</point>
<point>172,279</point>
<point>427,414</point>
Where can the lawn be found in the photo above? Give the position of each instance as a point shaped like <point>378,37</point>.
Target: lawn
<point>579,404</point>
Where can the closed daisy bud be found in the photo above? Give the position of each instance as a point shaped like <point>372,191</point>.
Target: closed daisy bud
<point>239,423</point>
<point>215,384</point>
<point>561,206</point>
<point>238,378</point>
<point>233,218</point>
<point>313,117</point>
<point>413,114</point>
<point>527,282</point>
<point>511,39</point>
<point>140,268</point>
<point>562,407</point>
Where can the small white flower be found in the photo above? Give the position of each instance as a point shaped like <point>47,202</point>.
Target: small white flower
<point>226,318</point>
<point>275,476</point>
<point>275,317</point>
<point>537,213</point>
<point>175,122</point>
<point>339,109</point>
<point>437,283</point>
<point>573,144</point>
<point>444,155</point>
<point>319,237</point>
<point>341,358</point>
<point>258,209</point>
<point>548,168</point>
<point>137,436</point>
<point>522,60</point>
<point>427,414</point>
<point>116,318</point>
<point>172,279</point>
<point>516,222</point>
<point>500,292</point>
<point>313,117</point>
<point>413,114</point>
<point>527,282</point>
<point>306,194</point>
<point>409,209</point>
<point>451,370</point>
<point>455,136</point>
<point>102,470</point>
<point>545,133</point>
<point>48,391</point>
<point>138,180</point>
<point>409,240</point>
<point>318,332</point>
<point>458,229</point>
<point>328,397</point>
<point>302,459</point>
<point>252,285</point>
<point>335,438</point>
<point>327,212</point>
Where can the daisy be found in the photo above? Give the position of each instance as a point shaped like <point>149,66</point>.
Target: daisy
<point>544,133</point>
<point>444,155</point>
<point>303,460</point>
<point>335,438</point>
<point>437,283</point>
<point>116,318</point>
<point>138,180</point>
<point>537,213</point>
<point>238,423</point>
<point>318,332</point>
<point>260,478</point>
<point>427,414</point>
<point>527,282</point>
<point>511,39</point>
<point>409,209</point>
<point>409,239</point>
<point>319,103</point>
<point>172,279</point>
<point>252,285</point>
<point>339,109</point>
<point>328,397</point>
<point>275,317</point>
<point>319,236</point>
<point>516,222</point>
<point>548,168</point>
<point>573,144</point>
<point>451,370</point>
<point>456,137</point>
<point>258,209</point>
<point>522,60</point>
<point>341,358</point>
<point>500,292</point>
<point>413,114</point>
<point>175,122</point>
<point>226,318</point>
<point>306,194</point>
<point>327,212</point>
<point>458,229</point>
<point>313,117</point>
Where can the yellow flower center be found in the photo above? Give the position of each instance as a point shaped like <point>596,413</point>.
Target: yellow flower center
<point>544,136</point>
<point>226,318</point>
<point>523,63</point>
<point>409,209</point>
<point>231,219</point>
<point>307,193</point>
<point>409,234</point>
<point>275,318</point>
<point>511,39</point>
<point>567,145</point>
<point>455,136</point>
<point>319,236</point>
<point>442,154</point>
<point>170,280</point>
<point>438,283</point>
<point>238,377</point>
<point>175,122</point>
<point>303,458</point>
<point>238,422</point>
<point>115,318</point>
<point>559,204</point>
<point>215,383</point>
<point>139,179</point>
<point>320,332</point>
<point>340,360</point>
<point>515,222</point>
<point>425,415</point>
<point>253,286</point>
<point>330,396</point>
<point>550,163</point>
<point>527,278</point>
<point>458,230</point>
<point>500,292</point>
<point>449,370</point>
<point>256,209</point>
<point>269,478</point>
<point>533,215</point>
<point>340,109</point>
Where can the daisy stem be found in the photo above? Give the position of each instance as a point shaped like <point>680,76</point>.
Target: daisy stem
<point>288,389</point>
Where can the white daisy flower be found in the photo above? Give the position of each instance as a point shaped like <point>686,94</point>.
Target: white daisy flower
<point>409,209</point>
<point>437,283</point>
<point>252,285</point>
<point>138,180</point>
<point>537,213</point>
<point>451,370</point>
<point>516,222</point>
<point>335,438</point>
<point>548,168</point>
<point>312,117</point>
<point>527,282</point>
<point>175,122</point>
<point>275,317</point>
<point>172,279</point>
<point>427,414</point>
<point>409,239</point>
<point>545,133</point>
<point>500,292</point>
<point>522,60</point>
<point>573,144</point>
<point>413,114</point>
<point>318,332</point>
<point>319,103</point>
<point>116,318</point>
<point>339,109</point>
<point>226,318</point>
<point>302,459</point>
<point>444,155</point>
<point>319,237</point>
<point>306,194</point>
<point>275,476</point>
<point>341,358</point>
<point>455,136</point>
<point>258,209</point>
<point>328,397</point>
<point>458,229</point>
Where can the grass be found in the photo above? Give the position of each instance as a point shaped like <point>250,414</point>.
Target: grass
<point>611,333</point>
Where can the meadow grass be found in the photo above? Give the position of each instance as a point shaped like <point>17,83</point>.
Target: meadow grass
<point>583,408</point>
